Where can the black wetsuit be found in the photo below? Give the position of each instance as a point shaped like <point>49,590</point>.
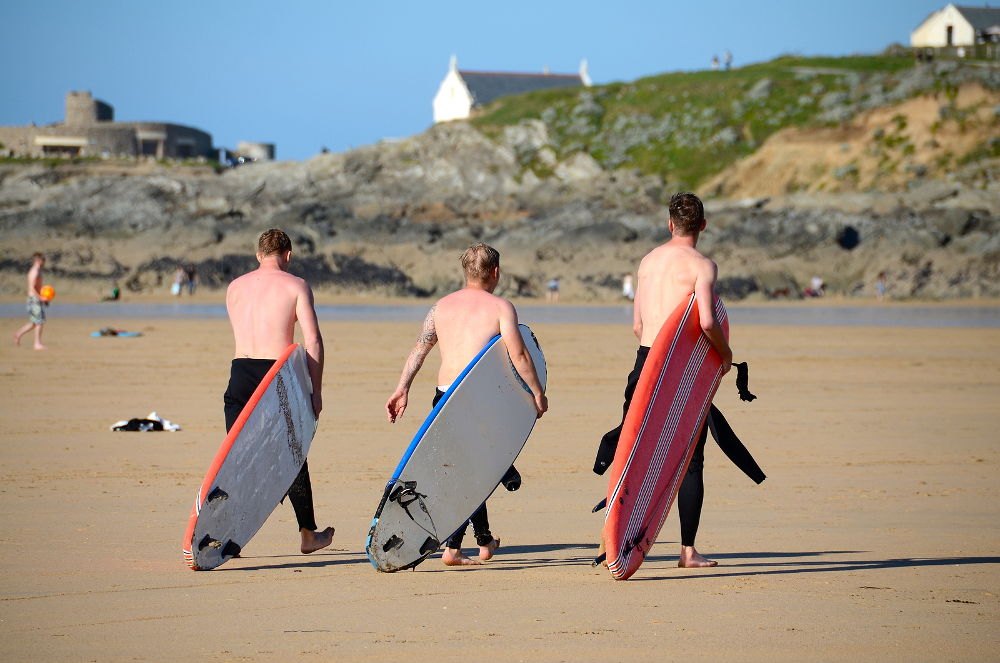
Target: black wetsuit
<point>691,494</point>
<point>244,377</point>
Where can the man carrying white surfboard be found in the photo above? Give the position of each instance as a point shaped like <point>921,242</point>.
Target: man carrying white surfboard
<point>460,324</point>
<point>263,308</point>
<point>668,275</point>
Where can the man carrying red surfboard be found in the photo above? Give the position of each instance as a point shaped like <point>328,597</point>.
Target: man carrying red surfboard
<point>460,324</point>
<point>667,276</point>
<point>263,307</point>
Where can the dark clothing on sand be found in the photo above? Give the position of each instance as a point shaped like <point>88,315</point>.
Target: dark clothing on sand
<point>244,377</point>
<point>691,494</point>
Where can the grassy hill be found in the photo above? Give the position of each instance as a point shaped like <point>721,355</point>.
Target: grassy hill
<point>688,126</point>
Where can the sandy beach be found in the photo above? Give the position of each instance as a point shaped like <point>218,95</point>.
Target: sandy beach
<point>875,536</point>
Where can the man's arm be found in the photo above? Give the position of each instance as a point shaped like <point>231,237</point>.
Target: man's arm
<point>396,404</point>
<point>637,302</point>
<point>312,341</point>
<point>519,356</point>
<point>704,290</point>
<point>637,311</point>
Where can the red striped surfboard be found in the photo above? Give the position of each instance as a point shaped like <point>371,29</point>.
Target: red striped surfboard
<point>661,429</point>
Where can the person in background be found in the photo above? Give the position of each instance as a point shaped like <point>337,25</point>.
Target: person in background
<point>35,304</point>
<point>113,294</point>
<point>552,288</point>
<point>191,275</point>
<point>817,288</point>
<point>880,286</point>
<point>180,280</point>
<point>628,289</point>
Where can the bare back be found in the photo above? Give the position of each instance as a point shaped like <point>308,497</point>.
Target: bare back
<point>263,307</point>
<point>465,320</point>
<point>667,276</point>
<point>34,280</point>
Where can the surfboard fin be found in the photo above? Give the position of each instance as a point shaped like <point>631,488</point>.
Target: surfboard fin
<point>393,542</point>
<point>231,549</point>
<point>217,494</point>
<point>208,542</point>
<point>600,558</point>
<point>430,545</point>
<point>600,505</point>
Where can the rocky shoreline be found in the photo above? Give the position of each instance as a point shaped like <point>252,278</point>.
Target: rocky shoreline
<point>390,220</point>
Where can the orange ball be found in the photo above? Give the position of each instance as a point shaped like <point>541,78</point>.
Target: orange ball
<point>47,292</point>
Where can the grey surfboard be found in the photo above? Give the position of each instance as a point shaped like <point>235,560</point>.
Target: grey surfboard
<point>457,457</point>
<point>256,464</point>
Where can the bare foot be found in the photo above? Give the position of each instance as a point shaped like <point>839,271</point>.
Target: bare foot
<point>41,347</point>
<point>313,540</point>
<point>454,557</point>
<point>692,559</point>
<point>17,339</point>
<point>486,552</point>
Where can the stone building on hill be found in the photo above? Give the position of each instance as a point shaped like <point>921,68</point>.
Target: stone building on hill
<point>958,27</point>
<point>463,92</point>
<point>90,130</point>
<point>255,151</point>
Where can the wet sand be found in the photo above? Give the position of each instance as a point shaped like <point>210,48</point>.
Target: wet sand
<point>875,536</point>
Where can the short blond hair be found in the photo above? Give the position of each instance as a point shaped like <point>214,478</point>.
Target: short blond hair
<point>273,241</point>
<point>479,261</point>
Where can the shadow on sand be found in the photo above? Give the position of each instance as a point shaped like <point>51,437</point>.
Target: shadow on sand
<point>548,555</point>
<point>317,560</point>
<point>807,566</point>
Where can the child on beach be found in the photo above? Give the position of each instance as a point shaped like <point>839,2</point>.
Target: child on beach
<point>461,324</point>
<point>35,304</point>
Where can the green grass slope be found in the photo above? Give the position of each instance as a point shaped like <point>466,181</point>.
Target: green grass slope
<point>688,126</point>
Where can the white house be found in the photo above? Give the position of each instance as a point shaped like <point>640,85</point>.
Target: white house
<point>463,91</point>
<point>957,26</point>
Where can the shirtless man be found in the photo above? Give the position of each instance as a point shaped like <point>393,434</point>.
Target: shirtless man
<point>668,275</point>
<point>461,324</point>
<point>36,303</point>
<point>263,307</point>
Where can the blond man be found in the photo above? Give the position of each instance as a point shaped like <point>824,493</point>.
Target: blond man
<point>460,324</point>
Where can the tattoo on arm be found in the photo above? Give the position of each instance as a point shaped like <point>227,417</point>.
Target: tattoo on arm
<point>426,341</point>
<point>428,335</point>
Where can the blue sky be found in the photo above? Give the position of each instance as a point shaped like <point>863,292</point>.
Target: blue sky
<point>305,74</point>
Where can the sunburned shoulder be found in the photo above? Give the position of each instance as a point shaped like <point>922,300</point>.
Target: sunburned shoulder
<point>466,295</point>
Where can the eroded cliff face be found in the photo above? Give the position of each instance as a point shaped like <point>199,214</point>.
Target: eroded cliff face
<point>889,149</point>
<point>392,218</point>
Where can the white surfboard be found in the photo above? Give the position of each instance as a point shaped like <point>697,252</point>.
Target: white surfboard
<point>256,464</point>
<point>457,457</point>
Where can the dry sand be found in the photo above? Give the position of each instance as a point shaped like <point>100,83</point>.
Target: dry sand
<point>875,536</point>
